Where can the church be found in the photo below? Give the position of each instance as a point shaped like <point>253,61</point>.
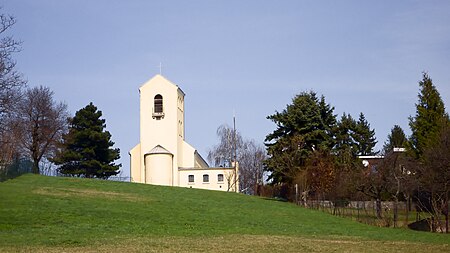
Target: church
<point>163,157</point>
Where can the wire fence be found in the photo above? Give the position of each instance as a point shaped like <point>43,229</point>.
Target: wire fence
<point>22,166</point>
<point>408,213</point>
<point>366,212</point>
<point>15,168</point>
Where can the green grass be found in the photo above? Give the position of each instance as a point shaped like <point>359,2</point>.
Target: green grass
<point>40,213</point>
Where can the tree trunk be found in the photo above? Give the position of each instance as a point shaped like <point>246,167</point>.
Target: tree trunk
<point>446,213</point>
<point>357,207</point>
<point>257,185</point>
<point>408,203</point>
<point>35,167</point>
<point>395,212</point>
<point>446,222</point>
<point>378,207</point>
<point>305,198</point>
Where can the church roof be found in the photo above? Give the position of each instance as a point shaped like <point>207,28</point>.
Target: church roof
<point>158,149</point>
<point>159,76</point>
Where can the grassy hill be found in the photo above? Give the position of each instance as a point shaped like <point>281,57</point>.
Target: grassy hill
<point>47,214</point>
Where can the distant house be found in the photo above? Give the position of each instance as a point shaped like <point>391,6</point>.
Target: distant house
<point>371,161</point>
<point>163,157</point>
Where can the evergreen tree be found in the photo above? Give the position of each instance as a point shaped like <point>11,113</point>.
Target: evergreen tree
<point>364,137</point>
<point>345,148</point>
<point>396,139</point>
<point>434,175</point>
<point>353,138</point>
<point>328,118</point>
<point>430,111</point>
<point>86,148</point>
<point>304,126</point>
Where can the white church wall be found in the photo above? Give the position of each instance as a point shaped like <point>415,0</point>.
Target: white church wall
<point>212,184</point>
<point>135,164</point>
<point>157,169</point>
<point>163,131</point>
<point>199,162</point>
<point>188,155</point>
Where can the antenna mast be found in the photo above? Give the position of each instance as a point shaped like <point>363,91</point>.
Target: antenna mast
<point>234,137</point>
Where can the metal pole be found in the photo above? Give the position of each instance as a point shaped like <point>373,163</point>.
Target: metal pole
<point>234,136</point>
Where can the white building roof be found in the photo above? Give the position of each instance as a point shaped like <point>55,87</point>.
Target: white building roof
<point>158,149</point>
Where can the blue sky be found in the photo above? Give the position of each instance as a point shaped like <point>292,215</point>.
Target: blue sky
<point>251,57</point>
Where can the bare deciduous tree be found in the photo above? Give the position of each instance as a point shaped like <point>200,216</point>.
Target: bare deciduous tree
<point>230,143</point>
<point>248,154</point>
<point>11,83</point>
<point>251,166</point>
<point>231,180</point>
<point>372,182</point>
<point>43,121</point>
<point>321,172</point>
<point>398,170</point>
<point>9,136</point>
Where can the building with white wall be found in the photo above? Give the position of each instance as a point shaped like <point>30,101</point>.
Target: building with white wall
<point>163,157</point>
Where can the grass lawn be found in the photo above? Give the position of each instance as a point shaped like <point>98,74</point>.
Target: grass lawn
<point>50,214</point>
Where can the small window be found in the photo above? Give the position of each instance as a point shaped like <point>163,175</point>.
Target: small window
<point>158,104</point>
<point>205,178</point>
<point>191,178</point>
<point>158,110</point>
<point>220,178</point>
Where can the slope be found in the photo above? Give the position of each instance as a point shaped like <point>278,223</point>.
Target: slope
<point>39,213</point>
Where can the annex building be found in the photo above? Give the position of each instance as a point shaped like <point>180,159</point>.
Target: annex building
<point>163,157</point>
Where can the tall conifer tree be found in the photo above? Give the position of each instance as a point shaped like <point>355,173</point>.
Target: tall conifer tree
<point>396,139</point>
<point>304,126</point>
<point>430,111</point>
<point>86,148</point>
<point>364,137</point>
<point>346,147</point>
